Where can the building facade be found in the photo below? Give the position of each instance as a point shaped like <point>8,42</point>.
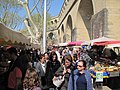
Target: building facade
<point>87,19</point>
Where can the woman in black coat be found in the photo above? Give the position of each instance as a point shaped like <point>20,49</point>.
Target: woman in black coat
<point>52,66</point>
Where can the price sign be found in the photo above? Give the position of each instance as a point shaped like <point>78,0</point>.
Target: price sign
<point>99,76</point>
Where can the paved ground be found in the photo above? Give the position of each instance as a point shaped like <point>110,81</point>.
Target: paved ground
<point>105,88</point>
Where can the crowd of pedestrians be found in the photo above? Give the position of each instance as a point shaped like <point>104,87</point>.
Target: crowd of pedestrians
<point>33,70</point>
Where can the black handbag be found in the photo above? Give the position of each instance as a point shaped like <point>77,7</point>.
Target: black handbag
<point>4,81</point>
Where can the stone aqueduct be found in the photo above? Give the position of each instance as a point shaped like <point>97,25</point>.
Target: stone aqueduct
<point>87,19</point>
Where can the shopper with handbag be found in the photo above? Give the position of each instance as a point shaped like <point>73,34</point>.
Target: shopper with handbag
<point>63,73</point>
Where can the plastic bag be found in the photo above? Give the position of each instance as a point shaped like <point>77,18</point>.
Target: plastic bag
<point>57,82</point>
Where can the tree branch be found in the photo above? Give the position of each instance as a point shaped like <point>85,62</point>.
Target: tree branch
<point>20,2</point>
<point>28,27</point>
<point>25,5</point>
<point>34,6</point>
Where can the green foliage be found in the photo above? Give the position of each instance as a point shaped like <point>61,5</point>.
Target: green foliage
<point>38,20</point>
<point>24,32</point>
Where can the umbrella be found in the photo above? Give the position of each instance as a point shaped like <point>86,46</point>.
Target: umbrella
<point>103,41</point>
<point>76,43</point>
<point>63,44</point>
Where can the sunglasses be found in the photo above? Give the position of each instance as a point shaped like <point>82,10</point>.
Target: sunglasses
<point>79,66</point>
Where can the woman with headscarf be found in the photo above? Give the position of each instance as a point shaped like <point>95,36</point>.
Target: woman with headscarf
<point>17,72</point>
<point>52,67</point>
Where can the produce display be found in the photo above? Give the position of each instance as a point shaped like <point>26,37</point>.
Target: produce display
<point>99,67</point>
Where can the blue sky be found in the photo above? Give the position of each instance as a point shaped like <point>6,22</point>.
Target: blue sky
<point>53,11</point>
<point>56,7</point>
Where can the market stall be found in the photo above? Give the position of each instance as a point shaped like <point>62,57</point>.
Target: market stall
<point>106,74</point>
<point>103,41</point>
<point>10,37</point>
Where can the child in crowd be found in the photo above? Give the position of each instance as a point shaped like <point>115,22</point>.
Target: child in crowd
<point>31,80</point>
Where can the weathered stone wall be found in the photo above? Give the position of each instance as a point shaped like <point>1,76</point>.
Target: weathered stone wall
<point>101,18</point>
<point>98,24</point>
<point>113,7</point>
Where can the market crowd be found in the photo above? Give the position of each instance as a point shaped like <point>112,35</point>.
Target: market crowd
<point>56,69</point>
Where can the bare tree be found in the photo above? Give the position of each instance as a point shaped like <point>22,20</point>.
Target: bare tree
<point>8,13</point>
<point>30,22</point>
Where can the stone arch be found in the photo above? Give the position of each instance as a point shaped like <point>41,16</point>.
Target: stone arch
<point>59,36</point>
<point>85,10</point>
<point>63,38</point>
<point>69,29</point>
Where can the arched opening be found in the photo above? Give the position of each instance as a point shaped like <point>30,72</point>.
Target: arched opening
<point>86,11</point>
<point>51,22</point>
<point>63,34</point>
<point>59,36</point>
<point>55,21</point>
<point>69,34</point>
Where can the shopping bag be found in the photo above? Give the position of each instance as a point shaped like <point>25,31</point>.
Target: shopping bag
<point>57,82</point>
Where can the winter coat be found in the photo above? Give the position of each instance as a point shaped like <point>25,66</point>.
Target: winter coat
<point>87,77</point>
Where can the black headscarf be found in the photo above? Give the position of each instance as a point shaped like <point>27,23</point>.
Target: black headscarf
<point>22,63</point>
